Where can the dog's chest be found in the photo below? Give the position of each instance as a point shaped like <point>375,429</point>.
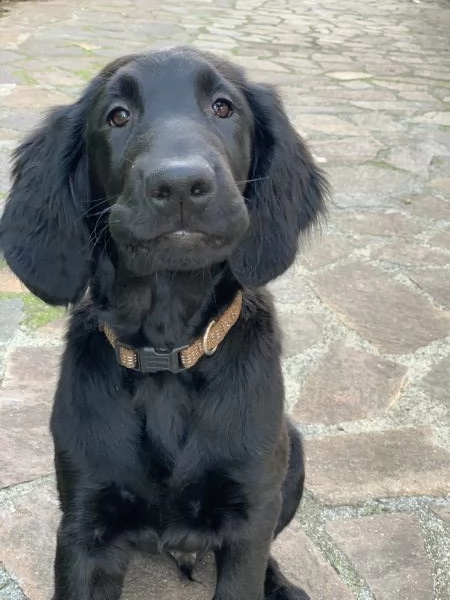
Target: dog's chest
<point>198,485</point>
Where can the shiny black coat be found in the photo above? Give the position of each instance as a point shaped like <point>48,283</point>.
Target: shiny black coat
<point>172,183</point>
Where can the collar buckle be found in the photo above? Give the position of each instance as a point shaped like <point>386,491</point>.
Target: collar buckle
<point>150,360</point>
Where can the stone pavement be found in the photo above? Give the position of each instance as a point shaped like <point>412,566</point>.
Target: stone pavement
<point>366,311</point>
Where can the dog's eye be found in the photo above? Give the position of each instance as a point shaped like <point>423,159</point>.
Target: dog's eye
<point>119,117</point>
<point>222,108</point>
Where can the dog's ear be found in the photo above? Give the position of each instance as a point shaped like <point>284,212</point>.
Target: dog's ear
<point>43,234</point>
<point>285,195</point>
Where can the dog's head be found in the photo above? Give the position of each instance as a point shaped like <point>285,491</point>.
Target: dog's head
<point>174,158</point>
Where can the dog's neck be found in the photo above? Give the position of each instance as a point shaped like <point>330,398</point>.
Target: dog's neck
<point>166,309</point>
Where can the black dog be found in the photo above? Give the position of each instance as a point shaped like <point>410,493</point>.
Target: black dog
<point>159,204</point>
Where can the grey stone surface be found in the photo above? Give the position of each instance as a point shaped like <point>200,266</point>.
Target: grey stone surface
<point>370,185</point>
<point>348,385</point>
<point>329,249</point>
<point>11,314</point>
<point>435,283</point>
<point>437,381</point>
<point>411,253</point>
<point>306,567</point>
<point>365,311</point>
<point>390,553</point>
<point>345,469</point>
<point>443,513</point>
<point>433,208</point>
<point>25,400</point>
<point>300,331</point>
<point>388,314</point>
<point>387,224</point>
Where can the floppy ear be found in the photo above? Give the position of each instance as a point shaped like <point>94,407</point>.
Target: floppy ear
<point>285,195</point>
<point>43,234</point>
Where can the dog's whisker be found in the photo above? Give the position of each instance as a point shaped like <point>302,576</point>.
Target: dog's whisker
<point>253,180</point>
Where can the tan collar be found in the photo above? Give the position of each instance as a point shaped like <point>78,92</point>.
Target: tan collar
<point>150,360</point>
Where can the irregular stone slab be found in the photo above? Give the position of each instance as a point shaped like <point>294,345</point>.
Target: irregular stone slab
<point>58,77</point>
<point>301,330</point>
<point>429,207</point>
<point>9,283</point>
<point>348,384</point>
<point>26,398</point>
<point>348,149</point>
<point>443,513</point>
<point>257,65</point>
<point>328,124</point>
<point>27,448</point>
<point>435,283</point>
<point>349,468</point>
<point>290,288</point>
<point>5,167</point>
<point>441,239</point>
<point>368,185</point>
<point>31,369</point>
<point>441,184</point>
<point>28,526</point>
<point>388,314</point>
<point>411,252</point>
<point>437,381</point>
<point>377,122</point>
<point>402,107</point>
<point>8,57</point>
<point>417,96</point>
<point>327,250</point>
<point>35,98</point>
<point>11,314</point>
<point>54,330</point>
<point>434,118</point>
<point>382,224</point>
<point>304,565</point>
<point>389,552</point>
<point>414,158</point>
<point>348,75</point>
<point>367,92</point>
<point>20,120</point>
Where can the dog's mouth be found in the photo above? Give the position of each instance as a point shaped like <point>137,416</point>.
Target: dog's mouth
<point>178,238</point>
<point>180,249</point>
<point>184,235</point>
<point>189,237</point>
<point>148,244</point>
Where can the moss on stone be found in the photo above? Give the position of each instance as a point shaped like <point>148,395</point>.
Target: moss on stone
<point>36,313</point>
<point>25,77</point>
<point>85,74</point>
<point>383,164</point>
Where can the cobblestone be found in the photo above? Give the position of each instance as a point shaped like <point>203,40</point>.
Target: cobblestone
<point>389,551</point>
<point>365,311</point>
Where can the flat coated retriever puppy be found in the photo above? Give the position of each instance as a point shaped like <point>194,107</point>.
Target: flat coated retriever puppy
<point>159,205</point>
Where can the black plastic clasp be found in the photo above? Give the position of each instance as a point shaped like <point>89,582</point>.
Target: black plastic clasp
<point>152,361</point>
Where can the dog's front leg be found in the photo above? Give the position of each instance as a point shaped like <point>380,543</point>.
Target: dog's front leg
<point>87,567</point>
<point>241,571</point>
<point>242,563</point>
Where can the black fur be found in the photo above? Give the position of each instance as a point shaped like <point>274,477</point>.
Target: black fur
<point>204,460</point>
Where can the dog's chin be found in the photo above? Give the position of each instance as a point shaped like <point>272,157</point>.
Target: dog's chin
<point>176,251</point>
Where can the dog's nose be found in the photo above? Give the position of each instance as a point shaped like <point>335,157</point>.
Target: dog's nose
<point>190,182</point>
